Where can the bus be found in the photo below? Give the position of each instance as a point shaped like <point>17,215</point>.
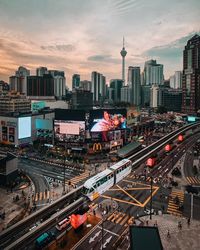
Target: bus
<point>63,224</point>
<point>44,240</point>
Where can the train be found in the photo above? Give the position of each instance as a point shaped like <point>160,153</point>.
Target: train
<point>101,182</point>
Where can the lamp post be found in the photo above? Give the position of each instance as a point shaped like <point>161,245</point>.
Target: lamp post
<point>102,229</point>
<point>64,170</point>
<point>151,196</point>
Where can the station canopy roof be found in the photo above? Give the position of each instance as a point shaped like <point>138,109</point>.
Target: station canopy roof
<point>126,150</point>
<point>143,238</point>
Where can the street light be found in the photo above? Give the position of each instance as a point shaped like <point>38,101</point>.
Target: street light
<point>102,229</point>
<point>151,196</point>
<point>64,170</point>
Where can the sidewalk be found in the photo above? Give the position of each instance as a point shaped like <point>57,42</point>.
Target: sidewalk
<point>180,239</point>
<point>14,210</point>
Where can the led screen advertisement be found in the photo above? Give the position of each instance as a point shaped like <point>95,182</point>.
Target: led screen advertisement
<point>24,127</point>
<point>44,124</point>
<point>106,120</point>
<point>103,122</point>
<point>71,131</point>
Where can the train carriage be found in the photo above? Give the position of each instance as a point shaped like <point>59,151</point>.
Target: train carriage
<point>98,184</point>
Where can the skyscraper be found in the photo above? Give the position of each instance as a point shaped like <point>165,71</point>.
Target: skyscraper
<point>123,54</point>
<point>116,85</point>
<point>75,81</point>
<point>191,76</point>
<point>176,80</point>
<point>98,86</point>
<point>134,82</point>
<point>153,73</point>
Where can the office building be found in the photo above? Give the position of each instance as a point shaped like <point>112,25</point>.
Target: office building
<point>40,86</point>
<point>134,82</point>
<point>153,73</point>
<point>98,87</point>
<point>172,99</point>
<point>75,81</point>
<point>191,76</point>
<point>116,85</point>
<point>145,95</point>
<point>13,102</point>
<point>82,99</point>
<point>125,94</point>
<point>86,85</point>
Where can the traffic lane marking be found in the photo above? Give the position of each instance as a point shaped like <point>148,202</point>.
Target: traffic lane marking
<point>148,199</point>
<point>129,195</point>
<point>142,184</point>
<point>139,204</point>
<point>113,233</point>
<point>120,200</point>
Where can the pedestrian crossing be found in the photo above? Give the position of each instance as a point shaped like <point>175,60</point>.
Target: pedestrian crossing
<point>175,201</point>
<point>41,196</point>
<point>120,218</point>
<point>193,180</point>
<point>75,180</point>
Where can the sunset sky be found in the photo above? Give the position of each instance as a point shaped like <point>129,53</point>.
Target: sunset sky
<point>80,36</point>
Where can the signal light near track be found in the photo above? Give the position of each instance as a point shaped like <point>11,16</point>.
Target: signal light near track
<point>151,162</point>
<point>168,148</point>
<point>180,138</point>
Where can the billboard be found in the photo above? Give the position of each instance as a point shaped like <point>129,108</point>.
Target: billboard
<point>104,122</point>
<point>37,105</point>
<point>44,124</point>
<point>71,131</point>
<point>24,127</point>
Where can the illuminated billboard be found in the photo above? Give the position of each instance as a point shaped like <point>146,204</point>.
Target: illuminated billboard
<point>71,131</point>
<point>103,122</point>
<point>44,124</point>
<point>24,127</point>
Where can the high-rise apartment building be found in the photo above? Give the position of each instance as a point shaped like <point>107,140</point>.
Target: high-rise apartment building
<point>98,86</point>
<point>176,80</point>
<point>134,82</point>
<point>18,82</point>
<point>155,96</point>
<point>41,71</point>
<point>153,73</point>
<point>191,76</point>
<point>75,81</point>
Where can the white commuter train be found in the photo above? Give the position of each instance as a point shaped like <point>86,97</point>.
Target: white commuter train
<point>101,182</point>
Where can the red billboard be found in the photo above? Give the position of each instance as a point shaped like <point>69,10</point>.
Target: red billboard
<point>77,220</point>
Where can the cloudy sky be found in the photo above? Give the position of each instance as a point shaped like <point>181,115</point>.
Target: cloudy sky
<point>80,36</point>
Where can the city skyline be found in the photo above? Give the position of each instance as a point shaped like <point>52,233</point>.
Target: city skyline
<point>84,38</point>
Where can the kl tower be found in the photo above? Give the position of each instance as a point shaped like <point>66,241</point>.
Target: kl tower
<point>123,54</point>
